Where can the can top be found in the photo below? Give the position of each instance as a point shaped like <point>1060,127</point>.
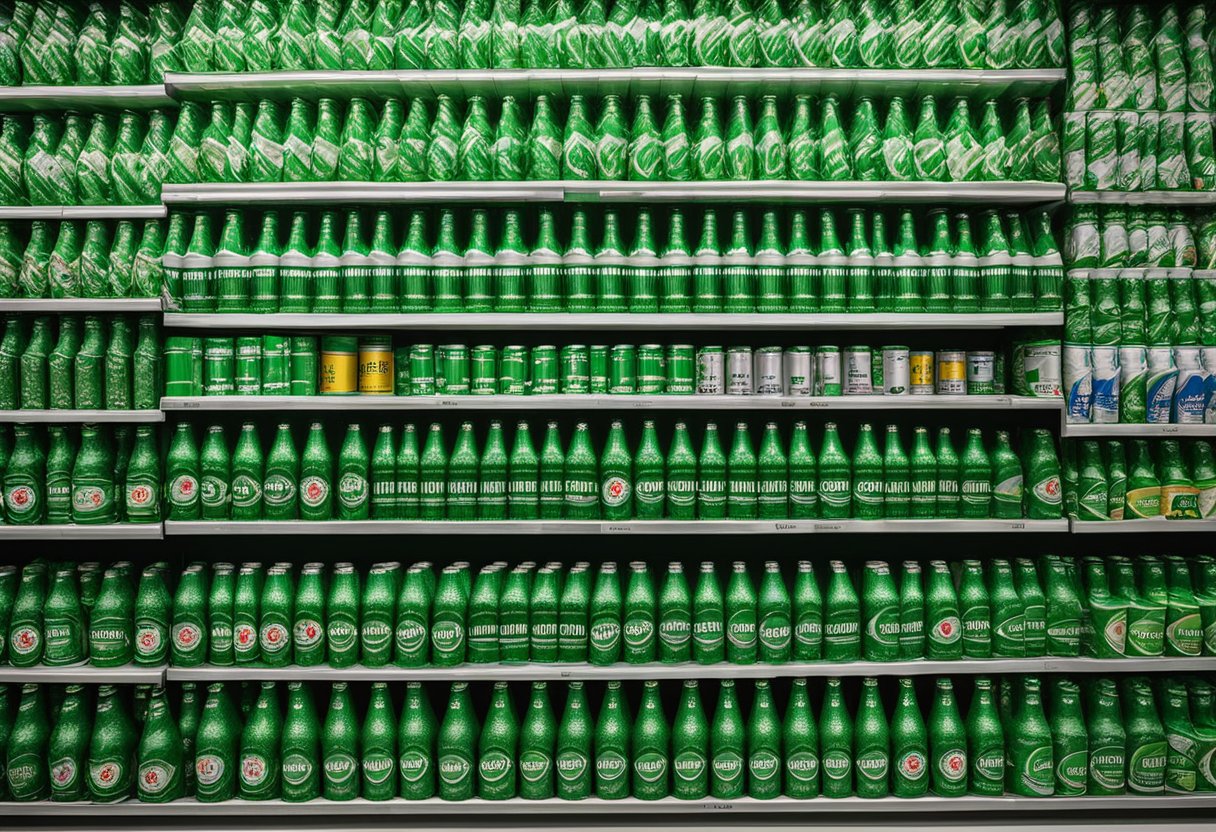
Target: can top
<point>375,341</point>
<point>885,349</point>
<point>339,343</point>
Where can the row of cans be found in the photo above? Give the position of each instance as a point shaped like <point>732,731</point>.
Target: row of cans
<point>256,365</point>
<point>1139,385</point>
<point>1105,150</point>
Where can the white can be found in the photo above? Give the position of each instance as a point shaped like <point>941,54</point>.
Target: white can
<point>1209,387</point>
<point>981,373</point>
<point>827,372</point>
<point>858,365</point>
<point>799,371</point>
<point>1189,399</point>
<point>1041,369</point>
<point>1079,383</point>
<point>766,372</point>
<point>739,371</point>
<point>1105,363</point>
<point>896,380</point>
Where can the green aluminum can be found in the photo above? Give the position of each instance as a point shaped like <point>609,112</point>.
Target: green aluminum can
<point>681,364</point>
<point>219,368</point>
<point>453,376</point>
<point>181,355</point>
<point>422,370</point>
<point>304,365</point>
<point>484,360</point>
<point>544,370</point>
<point>248,365</point>
<point>401,371</point>
<point>652,376</point>
<point>276,365</point>
<point>575,369</point>
<point>623,370</point>
<point>597,369</point>
<point>513,371</point>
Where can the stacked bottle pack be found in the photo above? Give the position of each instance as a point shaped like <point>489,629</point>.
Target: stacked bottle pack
<point>1106,481</point>
<point>1140,99</point>
<point>934,265</point>
<point>64,364</point>
<point>389,616</point>
<point>1103,737</point>
<point>577,139</point>
<point>72,259</point>
<point>1140,317</point>
<point>57,43</point>
<point>73,159</point>
<point>371,365</point>
<point>397,481</point>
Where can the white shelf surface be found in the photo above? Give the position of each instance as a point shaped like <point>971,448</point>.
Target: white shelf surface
<point>688,670</point>
<point>129,674</point>
<point>82,212</point>
<point>1120,431</point>
<point>72,305</point>
<point>331,193</point>
<point>593,805</point>
<point>517,322</point>
<point>45,97</point>
<point>116,531</point>
<point>602,402</point>
<point>82,417</point>
<point>655,81</point>
<point>1180,198</point>
<point>581,527</point>
<point>1149,525</point>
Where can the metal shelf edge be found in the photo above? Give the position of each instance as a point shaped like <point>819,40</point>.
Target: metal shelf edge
<point>71,305</point>
<point>1144,525</point>
<point>82,212</point>
<point>1078,431</point>
<point>116,531</point>
<point>84,674</point>
<point>43,97</point>
<point>80,417</point>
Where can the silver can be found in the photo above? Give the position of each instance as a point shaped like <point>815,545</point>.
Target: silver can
<point>767,372</point>
<point>895,372</point>
<point>827,372</point>
<point>1078,383</point>
<point>739,371</point>
<point>858,369</point>
<point>981,373</point>
<point>951,372</point>
<point>799,371</point>
<point>711,371</point>
<point>1106,379</point>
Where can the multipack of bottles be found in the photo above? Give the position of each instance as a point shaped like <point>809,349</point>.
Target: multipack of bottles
<point>71,259</point>
<point>74,159</point>
<point>64,363</point>
<point>408,616</point>
<point>397,480</point>
<point>937,264</point>
<point>104,475</point>
<point>1094,737</point>
<point>1106,481</point>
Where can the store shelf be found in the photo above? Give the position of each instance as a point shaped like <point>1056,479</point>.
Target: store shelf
<point>1180,198</point>
<point>42,98</point>
<point>206,528</point>
<point>82,212</point>
<point>629,805</point>
<point>653,81</point>
<point>1120,431</point>
<point>116,531</point>
<point>601,402</point>
<point>333,193</point>
<point>687,670</point>
<point>517,322</point>
<point>129,674</point>
<point>72,305</point>
<point>81,417</point>
<point>1151,525</point>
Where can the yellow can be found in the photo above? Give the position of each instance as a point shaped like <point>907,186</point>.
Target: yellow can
<point>951,372</point>
<point>339,365</point>
<point>376,365</point>
<point>920,372</point>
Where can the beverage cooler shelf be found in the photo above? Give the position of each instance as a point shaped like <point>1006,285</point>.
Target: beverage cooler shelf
<point>1121,431</point>
<point>598,402</point>
<point>130,674</point>
<point>72,305</point>
<point>581,527</point>
<point>517,322</point>
<point>593,805</point>
<point>654,81</point>
<point>752,191</point>
<point>82,417</point>
<point>1179,198</point>
<point>82,212</point>
<point>1155,525</point>
<point>42,98</point>
<point>116,531</point>
<point>586,672</point>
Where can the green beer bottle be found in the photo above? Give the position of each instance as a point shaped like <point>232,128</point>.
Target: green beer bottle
<point>909,745</point>
<point>216,747</point>
<point>523,496</point>
<point>1030,771</point>
<point>1107,612</point>
<point>975,474</point>
<point>492,476</point>
<point>1147,746</point>
<point>408,464</point>
<point>867,468</point>
<point>948,487</point>
<point>1034,607</point>
<point>301,747</point>
<point>975,610</point>
<point>648,473</point>
<point>773,614</point>
<point>675,617</point>
<point>711,477</point>
<point>573,756</point>
<point>378,743</point>
<point>605,618</point>
<point>64,639</point>
<point>727,741</point>
<point>612,750</point>
<point>911,613</point>
<point>1070,742</point>
<point>416,745</point>
<point>741,617</point>
<point>572,616</point>
<point>803,489</point>
<point>742,469</point>
<point>947,743</point>
<point>1008,616</point>
<point>1107,763</point>
<point>651,747</point>
<point>160,756</point>
<point>690,746</point>
<point>942,615</point>
<point>340,747</point>
<point>842,617</point>
<point>836,742</point>
<point>800,744</point>
<point>28,778</point>
<point>708,617</point>
<point>582,474</point>
<point>616,476</point>
<point>260,768</point>
<point>247,475</point>
<point>985,742</point>
<point>537,740</point>
<point>639,626</point>
<point>1063,611</point>
<point>871,743</point>
<point>216,469</point>
<point>552,475</point>
<point>880,609</point>
<point>316,475</point>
